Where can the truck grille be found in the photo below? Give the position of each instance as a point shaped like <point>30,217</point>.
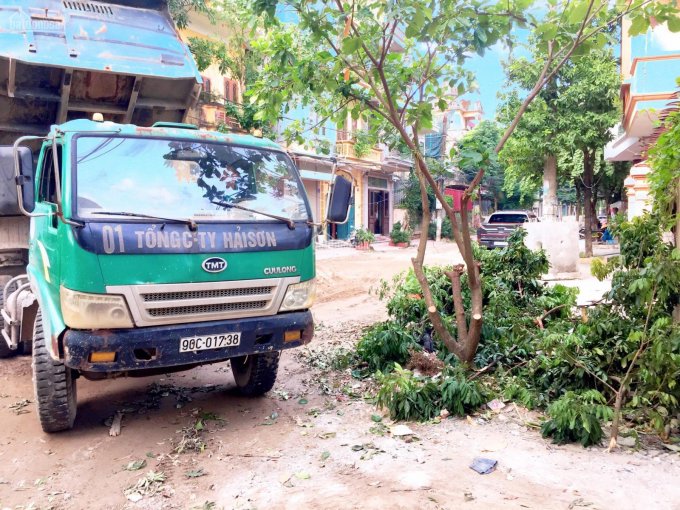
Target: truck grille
<point>199,294</point>
<point>223,307</point>
<point>193,302</point>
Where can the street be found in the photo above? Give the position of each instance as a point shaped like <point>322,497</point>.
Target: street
<point>313,442</point>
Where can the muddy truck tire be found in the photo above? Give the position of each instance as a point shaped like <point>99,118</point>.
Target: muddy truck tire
<point>55,386</point>
<point>255,374</point>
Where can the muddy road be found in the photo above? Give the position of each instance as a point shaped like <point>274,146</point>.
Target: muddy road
<point>313,442</point>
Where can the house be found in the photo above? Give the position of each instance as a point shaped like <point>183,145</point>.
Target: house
<point>650,65</point>
<point>218,87</point>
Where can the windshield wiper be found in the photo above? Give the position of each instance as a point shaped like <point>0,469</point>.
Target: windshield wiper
<point>193,226</point>
<point>226,205</point>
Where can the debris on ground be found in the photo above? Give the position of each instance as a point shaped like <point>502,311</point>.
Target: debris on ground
<point>149,485</point>
<point>495,405</point>
<point>425,363</point>
<point>483,466</point>
<point>195,473</point>
<point>401,430</point>
<point>20,406</point>
<point>135,465</point>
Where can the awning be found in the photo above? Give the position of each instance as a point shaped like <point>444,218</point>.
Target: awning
<point>316,176</point>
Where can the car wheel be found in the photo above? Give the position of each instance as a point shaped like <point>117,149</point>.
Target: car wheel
<point>255,374</point>
<point>55,385</point>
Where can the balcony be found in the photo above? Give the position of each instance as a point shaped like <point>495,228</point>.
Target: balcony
<point>346,149</point>
<point>211,116</point>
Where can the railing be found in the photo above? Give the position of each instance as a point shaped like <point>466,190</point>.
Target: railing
<point>346,149</point>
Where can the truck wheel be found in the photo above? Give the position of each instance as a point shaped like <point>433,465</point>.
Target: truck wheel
<point>255,374</point>
<point>55,386</point>
<point>5,351</point>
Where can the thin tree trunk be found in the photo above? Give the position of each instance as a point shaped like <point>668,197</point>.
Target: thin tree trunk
<point>587,201</point>
<point>578,202</point>
<point>550,188</point>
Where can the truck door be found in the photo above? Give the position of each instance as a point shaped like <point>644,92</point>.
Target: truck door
<point>44,242</point>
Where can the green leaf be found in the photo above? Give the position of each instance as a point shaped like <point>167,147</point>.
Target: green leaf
<point>325,455</point>
<point>351,45</point>
<point>195,473</point>
<point>376,418</point>
<point>673,23</point>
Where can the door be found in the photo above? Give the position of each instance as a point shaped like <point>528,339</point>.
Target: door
<point>378,212</point>
<point>44,243</point>
<point>344,230</point>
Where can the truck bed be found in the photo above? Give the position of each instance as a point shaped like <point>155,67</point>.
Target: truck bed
<point>63,60</point>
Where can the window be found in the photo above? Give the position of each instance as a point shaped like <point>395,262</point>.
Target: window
<point>508,218</point>
<point>48,183</point>
<point>377,182</point>
<point>231,90</point>
<point>206,85</point>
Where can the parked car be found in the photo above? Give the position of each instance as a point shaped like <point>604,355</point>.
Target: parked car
<point>495,231</point>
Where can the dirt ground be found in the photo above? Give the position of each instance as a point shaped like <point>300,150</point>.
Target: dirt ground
<point>313,442</point>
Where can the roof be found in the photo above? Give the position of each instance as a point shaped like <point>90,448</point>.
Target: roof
<point>89,126</point>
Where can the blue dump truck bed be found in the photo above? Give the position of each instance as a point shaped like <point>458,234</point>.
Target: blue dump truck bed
<point>64,60</point>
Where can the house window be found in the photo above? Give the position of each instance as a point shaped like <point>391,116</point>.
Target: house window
<point>206,85</point>
<point>377,182</point>
<point>231,90</point>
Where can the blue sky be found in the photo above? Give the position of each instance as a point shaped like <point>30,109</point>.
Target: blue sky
<point>490,78</point>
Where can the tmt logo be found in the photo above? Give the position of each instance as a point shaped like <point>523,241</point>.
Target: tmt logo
<point>214,265</point>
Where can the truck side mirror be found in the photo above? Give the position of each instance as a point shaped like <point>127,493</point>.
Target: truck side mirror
<point>16,190</point>
<point>25,178</point>
<point>340,200</point>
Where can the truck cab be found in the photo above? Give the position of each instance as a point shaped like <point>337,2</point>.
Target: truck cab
<point>160,248</point>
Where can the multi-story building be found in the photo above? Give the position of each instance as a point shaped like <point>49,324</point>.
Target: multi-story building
<point>650,66</point>
<point>218,87</point>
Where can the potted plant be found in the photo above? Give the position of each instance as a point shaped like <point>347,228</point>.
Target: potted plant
<point>364,239</point>
<point>400,237</point>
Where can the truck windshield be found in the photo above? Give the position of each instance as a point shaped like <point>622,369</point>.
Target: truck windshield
<point>184,179</point>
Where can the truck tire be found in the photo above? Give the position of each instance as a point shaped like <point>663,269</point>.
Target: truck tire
<point>255,374</point>
<point>55,386</point>
<point>5,351</point>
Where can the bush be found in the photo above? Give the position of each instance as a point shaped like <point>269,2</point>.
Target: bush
<point>409,397</point>
<point>447,229</point>
<point>460,395</point>
<point>577,417</point>
<point>385,344</point>
<point>364,236</point>
<point>406,396</point>
<point>398,235</point>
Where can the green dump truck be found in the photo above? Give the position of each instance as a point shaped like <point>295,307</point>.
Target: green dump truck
<point>150,248</point>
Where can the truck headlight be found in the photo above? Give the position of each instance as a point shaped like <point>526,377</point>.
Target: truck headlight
<point>299,296</point>
<point>94,311</point>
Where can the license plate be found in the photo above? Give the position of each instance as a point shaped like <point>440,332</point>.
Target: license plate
<point>202,343</point>
<point>500,243</point>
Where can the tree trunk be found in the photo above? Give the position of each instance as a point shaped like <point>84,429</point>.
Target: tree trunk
<point>587,201</point>
<point>578,202</point>
<point>550,188</point>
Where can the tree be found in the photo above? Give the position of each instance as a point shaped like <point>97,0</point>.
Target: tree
<point>352,58</point>
<point>574,113</point>
<point>483,139</point>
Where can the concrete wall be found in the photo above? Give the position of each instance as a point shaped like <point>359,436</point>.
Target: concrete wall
<point>560,241</point>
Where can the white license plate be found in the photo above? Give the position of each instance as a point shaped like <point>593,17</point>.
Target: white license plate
<point>202,343</point>
<point>500,243</point>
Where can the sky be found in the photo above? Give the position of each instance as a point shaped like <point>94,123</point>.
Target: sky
<point>490,78</point>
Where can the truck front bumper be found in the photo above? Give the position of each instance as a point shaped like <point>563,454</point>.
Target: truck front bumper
<point>158,347</point>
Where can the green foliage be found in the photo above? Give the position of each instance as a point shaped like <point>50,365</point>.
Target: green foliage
<point>399,235</point>
<point>459,395</point>
<point>412,201</point>
<point>665,160</point>
<point>447,229</point>
<point>364,236</point>
<point>573,113</point>
<point>364,141</point>
<point>406,396</point>
<point>409,397</point>
<point>577,416</point>
<point>385,344</point>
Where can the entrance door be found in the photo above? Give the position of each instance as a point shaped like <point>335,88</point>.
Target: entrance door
<point>378,211</point>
